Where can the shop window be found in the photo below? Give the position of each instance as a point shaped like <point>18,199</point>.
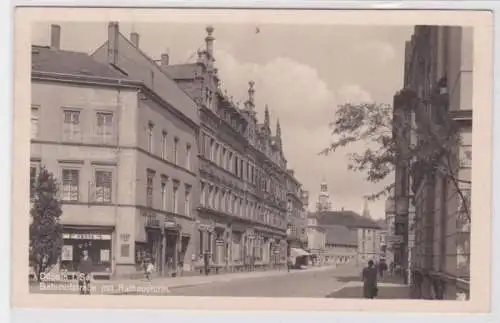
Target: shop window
<point>125,250</point>
<point>70,185</point>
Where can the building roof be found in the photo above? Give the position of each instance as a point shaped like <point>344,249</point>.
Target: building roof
<point>182,71</point>
<point>47,59</point>
<point>349,219</point>
<point>341,235</point>
<point>382,224</point>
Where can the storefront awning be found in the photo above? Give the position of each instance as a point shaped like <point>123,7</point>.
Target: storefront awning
<point>298,252</point>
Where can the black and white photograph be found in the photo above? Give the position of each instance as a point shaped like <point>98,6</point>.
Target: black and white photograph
<point>252,159</point>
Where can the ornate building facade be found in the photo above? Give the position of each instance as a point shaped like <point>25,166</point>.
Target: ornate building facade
<point>242,213</point>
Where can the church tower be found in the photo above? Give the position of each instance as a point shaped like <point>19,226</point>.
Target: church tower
<point>324,203</point>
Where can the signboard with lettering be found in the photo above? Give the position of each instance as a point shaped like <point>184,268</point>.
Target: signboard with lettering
<point>395,239</point>
<point>86,236</point>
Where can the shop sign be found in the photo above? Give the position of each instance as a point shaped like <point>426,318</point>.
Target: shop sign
<point>86,236</point>
<point>67,253</point>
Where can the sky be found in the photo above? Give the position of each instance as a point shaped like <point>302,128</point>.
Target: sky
<point>301,72</point>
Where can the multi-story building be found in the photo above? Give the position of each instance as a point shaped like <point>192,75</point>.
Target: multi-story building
<point>295,212</point>
<point>123,147</point>
<point>341,245</point>
<point>316,238</point>
<point>437,93</point>
<point>334,233</point>
<point>243,174</point>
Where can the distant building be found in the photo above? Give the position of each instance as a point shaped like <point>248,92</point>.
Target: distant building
<point>365,229</point>
<point>341,245</point>
<point>316,238</point>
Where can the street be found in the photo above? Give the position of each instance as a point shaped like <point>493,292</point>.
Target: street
<point>295,284</point>
<point>340,282</point>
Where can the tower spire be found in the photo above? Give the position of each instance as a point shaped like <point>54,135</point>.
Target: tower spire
<point>266,116</point>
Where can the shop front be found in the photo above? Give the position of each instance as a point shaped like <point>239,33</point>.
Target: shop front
<point>96,241</point>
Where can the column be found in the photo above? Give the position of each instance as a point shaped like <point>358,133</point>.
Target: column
<point>163,248</point>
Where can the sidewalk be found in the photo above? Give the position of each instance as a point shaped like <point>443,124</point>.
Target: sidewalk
<point>390,287</point>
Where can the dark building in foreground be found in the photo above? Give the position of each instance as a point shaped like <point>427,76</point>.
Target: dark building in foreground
<point>432,207</point>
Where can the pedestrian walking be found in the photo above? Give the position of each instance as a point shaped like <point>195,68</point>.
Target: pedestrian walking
<point>150,268</point>
<point>289,263</point>
<point>369,276</point>
<point>382,267</point>
<point>84,273</point>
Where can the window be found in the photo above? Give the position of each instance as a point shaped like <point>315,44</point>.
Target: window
<point>187,201</point>
<point>217,156</point>
<point>174,152</point>
<point>164,195</point>
<point>104,128</point>
<point>224,158</point>
<point>71,126</point>
<point>150,137</point>
<point>34,122</point>
<point>203,197</point>
<point>212,149</point>
<point>71,183</point>
<point>188,156</point>
<point>33,173</point>
<point>103,182</point>
<point>164,145</point>
<point>216,199</point>
<point>236,163</point>
<point>149,188</point>
<point>175,197</point>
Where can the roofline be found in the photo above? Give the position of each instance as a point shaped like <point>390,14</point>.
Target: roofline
<point>110,82</point>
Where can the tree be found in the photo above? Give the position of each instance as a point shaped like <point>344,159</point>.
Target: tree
<point>45,229</point>
<point>421,136</point>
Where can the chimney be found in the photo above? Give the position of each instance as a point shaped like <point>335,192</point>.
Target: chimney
<point>164,59</point>
<point>113,34</point>
<point>134,38</point>
<point>55,37</point>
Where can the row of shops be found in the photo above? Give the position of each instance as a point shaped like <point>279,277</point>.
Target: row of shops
<point>173,245</point>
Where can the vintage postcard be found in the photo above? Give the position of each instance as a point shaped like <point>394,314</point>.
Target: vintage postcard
<point>252,159</point>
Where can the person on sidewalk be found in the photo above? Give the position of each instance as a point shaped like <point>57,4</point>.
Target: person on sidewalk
<point>84,270</point>
<point>369,276</point>
<point>150,267</point>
